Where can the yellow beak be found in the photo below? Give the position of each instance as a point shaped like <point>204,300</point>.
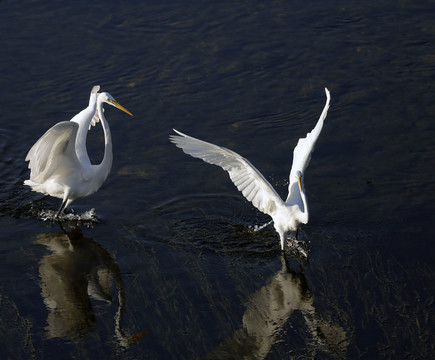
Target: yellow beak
<point>299,182</point>
<point>120,107</point>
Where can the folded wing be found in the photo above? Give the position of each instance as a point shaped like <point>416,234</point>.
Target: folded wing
<point>54,151</point>
<point>244,175</point>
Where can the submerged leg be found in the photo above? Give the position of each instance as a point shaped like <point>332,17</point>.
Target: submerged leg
<point>300,247</point>
<point>284,262</point>
<point>282,238</point>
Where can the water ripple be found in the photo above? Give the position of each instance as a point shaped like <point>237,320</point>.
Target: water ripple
<point>220,223</point>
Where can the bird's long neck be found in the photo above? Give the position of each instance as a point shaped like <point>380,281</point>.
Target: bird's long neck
<point>83,119</point>
<point>298,201</point>
<point>105,166</point>
<point>303,216</point>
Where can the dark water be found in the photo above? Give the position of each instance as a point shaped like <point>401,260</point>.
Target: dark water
<point>173,269</point>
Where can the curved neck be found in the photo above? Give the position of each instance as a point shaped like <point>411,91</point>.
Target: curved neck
<point>298,201</point>
<point>304,212</point>
<point>84,119</point>
<point>105,165</point>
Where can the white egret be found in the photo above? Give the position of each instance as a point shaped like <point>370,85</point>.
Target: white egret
<point>286,215</point>
<point>59,163</point>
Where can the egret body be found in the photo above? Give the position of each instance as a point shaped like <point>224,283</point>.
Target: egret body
<point>287,215</point>
<point>59,163</point>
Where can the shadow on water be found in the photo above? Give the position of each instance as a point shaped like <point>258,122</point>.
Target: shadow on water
<point>269,309</point>
<point>76,271</point>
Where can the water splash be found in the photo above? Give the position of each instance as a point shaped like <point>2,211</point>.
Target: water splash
<point>299,249</point>
<point>50,215</point>
<point>260,227</point>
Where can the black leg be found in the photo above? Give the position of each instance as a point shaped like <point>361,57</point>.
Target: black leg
<point>61,208</point>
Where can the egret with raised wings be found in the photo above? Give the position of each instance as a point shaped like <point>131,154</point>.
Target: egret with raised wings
<point>287,215</point>
<point>59,163</point>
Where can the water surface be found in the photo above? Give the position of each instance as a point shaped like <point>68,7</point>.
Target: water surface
<point>173,268</point>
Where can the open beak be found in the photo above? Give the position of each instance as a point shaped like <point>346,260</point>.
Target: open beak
<point>120,107</point>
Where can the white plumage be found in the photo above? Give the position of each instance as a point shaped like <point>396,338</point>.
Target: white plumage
<point>59,163</point>
<point>288,215</point>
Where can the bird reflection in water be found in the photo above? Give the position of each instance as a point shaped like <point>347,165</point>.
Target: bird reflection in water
<point>77,270</point>
<point>269,309</point>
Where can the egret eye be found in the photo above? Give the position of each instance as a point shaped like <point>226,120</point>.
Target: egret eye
<point>298,175</point>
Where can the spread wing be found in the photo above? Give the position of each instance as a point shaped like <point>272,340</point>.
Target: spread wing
<point>302,154</point>
<point>54,152</point>
<point>244,175</point>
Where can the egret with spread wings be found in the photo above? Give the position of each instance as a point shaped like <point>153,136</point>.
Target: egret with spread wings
<point>287,215</point>
<point>59,163</point>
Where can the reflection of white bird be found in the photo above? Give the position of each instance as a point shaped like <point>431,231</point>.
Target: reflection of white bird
<point>288,215</point>
<point>59,163</point>
<point>76,270</point>
<point>268,311</point>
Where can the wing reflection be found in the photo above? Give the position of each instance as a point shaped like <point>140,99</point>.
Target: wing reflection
<point>269,309</point>
<point>77,270</point>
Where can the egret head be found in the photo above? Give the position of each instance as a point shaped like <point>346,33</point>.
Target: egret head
<point>109,99</point>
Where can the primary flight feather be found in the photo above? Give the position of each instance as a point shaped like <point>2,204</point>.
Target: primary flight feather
<point>286,215</point>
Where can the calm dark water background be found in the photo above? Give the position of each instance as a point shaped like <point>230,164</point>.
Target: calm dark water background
<point>172,270</point>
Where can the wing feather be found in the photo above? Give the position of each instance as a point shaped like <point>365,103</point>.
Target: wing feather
<point>302,154</point>
<point>244,175</point>
<point>93,100</point>
<point>53,151</point>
